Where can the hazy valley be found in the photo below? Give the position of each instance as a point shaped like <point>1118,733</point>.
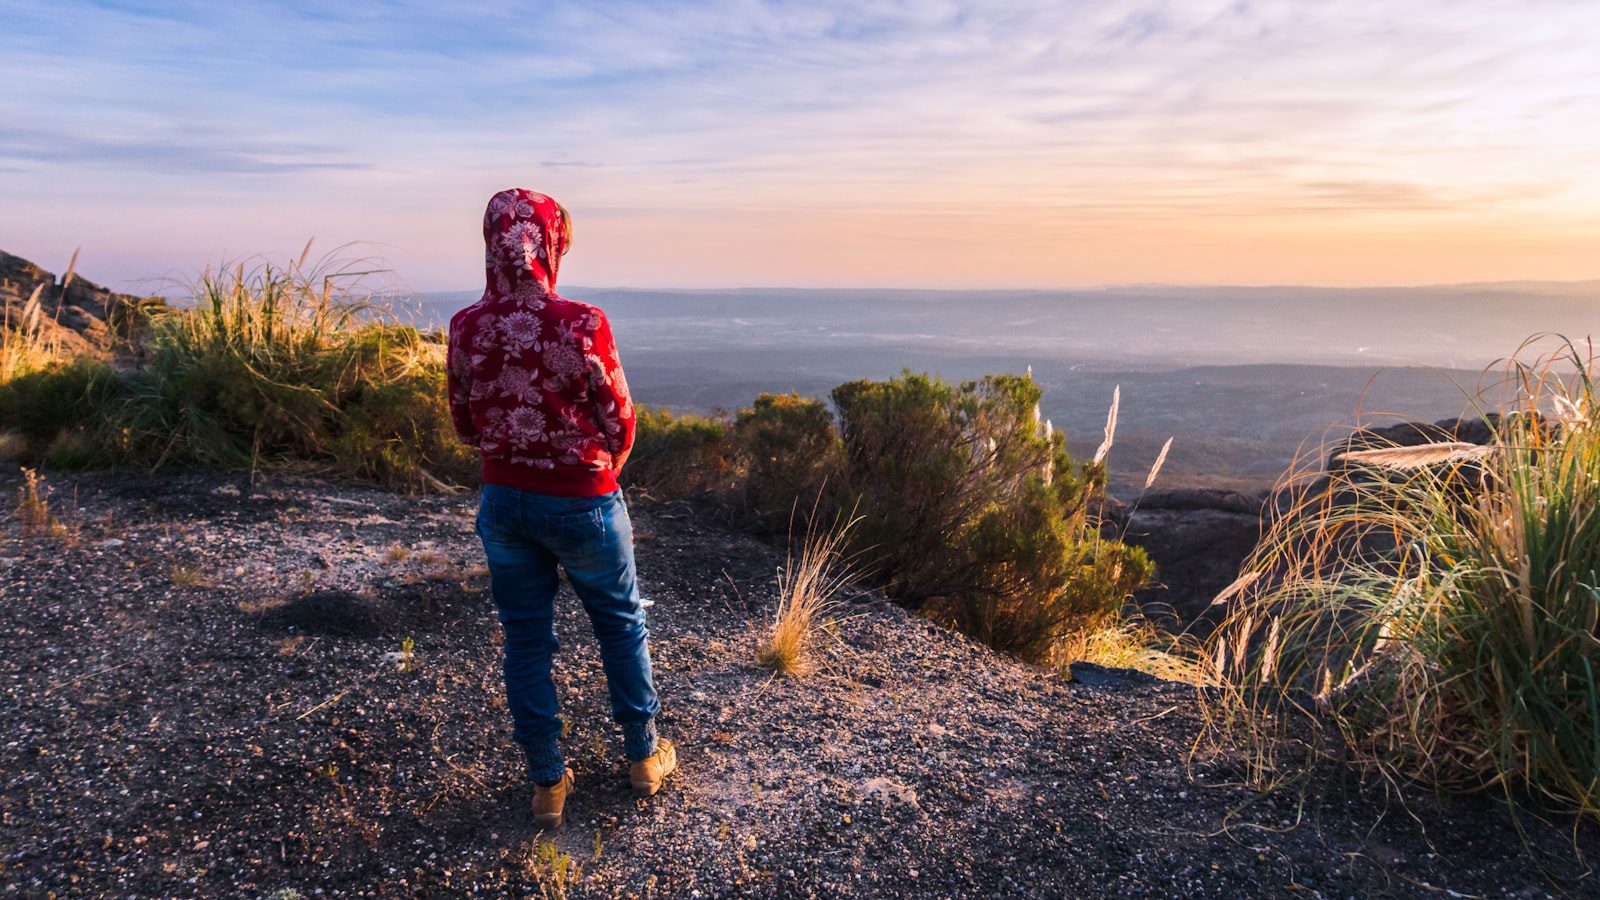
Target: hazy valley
<point>1243,378</point>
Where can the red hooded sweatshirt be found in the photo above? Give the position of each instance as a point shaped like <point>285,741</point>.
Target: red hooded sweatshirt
<point>535,383</point>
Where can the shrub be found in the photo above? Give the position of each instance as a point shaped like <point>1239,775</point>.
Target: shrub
<point>58,407</point>
<point>677,456</point>
<point>292,366</point>
<point>1040,574</point>
<point>976,514</point>
<point>1439,605</point>
<point>788,451</point>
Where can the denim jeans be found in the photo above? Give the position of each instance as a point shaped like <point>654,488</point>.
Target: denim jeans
<point>525,537</point>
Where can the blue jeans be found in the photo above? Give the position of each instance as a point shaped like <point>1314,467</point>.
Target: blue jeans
<point>525,537</point>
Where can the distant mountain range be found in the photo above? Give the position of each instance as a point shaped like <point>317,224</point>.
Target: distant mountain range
<point>1455,326</point>
<point>1243,377</point>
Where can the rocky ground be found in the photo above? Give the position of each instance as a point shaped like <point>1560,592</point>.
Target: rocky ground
<point>292,689</point>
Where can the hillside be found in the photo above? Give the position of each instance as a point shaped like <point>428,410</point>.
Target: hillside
<point>207,694</point>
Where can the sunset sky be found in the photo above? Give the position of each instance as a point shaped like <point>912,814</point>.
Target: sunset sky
<point>822,143</point>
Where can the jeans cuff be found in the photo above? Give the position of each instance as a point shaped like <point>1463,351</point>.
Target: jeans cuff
<point>639,739</point>
<point>545,763</point>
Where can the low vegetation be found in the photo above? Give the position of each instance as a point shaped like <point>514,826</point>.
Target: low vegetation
<point>971,511</point>
<point>33,514</point>
<point>271,366</point>
<point>677,456</point>
<point>808,587</point>
<point>554,871</point>
<point>1434,611</point>
<point>790,451</point>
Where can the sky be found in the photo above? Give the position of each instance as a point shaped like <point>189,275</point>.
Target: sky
<point>840,143</point>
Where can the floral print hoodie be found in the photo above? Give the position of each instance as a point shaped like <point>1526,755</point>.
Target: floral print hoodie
<point>534,378</point>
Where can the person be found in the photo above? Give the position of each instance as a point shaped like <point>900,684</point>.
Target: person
<point>535,384</point>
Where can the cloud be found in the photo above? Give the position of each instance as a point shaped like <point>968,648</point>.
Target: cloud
<point>1121,113</point>
<point>173,156</point>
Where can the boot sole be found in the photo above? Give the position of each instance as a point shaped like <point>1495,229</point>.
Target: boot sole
<point>548,821</point>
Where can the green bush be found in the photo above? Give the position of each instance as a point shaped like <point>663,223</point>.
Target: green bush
<point>54,409</point>
<point>677,456</point>
<point>788,450</point>
<point>399,431</point>
<point>970,509</point>
<point>291,367</point>
<point>973,512</point>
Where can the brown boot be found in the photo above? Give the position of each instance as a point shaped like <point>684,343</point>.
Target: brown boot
<point>548,802</point>
<point>647,774</point>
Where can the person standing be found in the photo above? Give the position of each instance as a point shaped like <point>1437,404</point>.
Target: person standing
<point>536,385</point>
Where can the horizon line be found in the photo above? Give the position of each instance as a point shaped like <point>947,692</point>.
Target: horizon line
<point>1504,283</point>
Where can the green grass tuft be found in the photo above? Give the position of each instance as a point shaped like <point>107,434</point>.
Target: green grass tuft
<point>1439,612</point>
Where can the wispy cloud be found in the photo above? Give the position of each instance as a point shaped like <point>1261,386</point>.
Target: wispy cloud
<point>174,155</point>
<point>1049,123</point>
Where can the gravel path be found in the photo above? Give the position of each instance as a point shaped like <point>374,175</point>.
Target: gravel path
<point>293,689</point>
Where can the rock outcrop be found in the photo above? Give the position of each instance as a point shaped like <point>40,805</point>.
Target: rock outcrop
<point>1411,434</point>
<point>81,315</point>
<point>1198,538</point>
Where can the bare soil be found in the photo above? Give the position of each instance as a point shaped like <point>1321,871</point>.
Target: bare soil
<point>213,688</point>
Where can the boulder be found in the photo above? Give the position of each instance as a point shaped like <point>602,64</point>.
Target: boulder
<point>1477,430</point>
<point>1198,538</point>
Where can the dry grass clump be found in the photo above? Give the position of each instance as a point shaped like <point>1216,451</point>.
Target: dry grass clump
<point>189,577</point>
<point>1133,643</point>
<point>1436,610</point>
<point>33,508</point>
<point>26,344</point>
<point>807,588</point>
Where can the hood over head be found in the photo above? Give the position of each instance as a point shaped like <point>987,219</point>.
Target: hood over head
<point>525,234</point>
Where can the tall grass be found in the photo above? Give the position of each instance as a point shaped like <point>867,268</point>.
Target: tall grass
<point>27,345</point>
<point>293,364</point>
<point>1435,611</point>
